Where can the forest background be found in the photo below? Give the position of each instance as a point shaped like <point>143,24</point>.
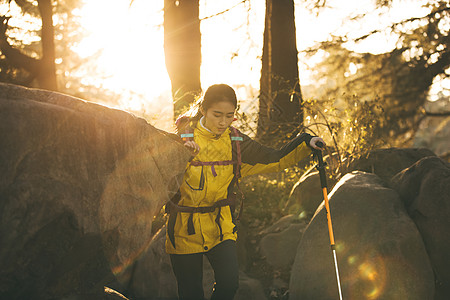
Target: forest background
<point>357,73</point>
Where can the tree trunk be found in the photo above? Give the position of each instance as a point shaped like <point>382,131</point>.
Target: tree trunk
<point>47,72</point>
<point>182,47</point>
<point>280,98</point>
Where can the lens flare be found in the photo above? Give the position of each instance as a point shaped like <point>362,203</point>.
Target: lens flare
<point>368,276</point>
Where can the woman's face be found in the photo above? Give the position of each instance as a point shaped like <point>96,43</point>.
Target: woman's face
<point>219,116</point>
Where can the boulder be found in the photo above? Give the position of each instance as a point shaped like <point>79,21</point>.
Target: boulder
<point>79,186</point>
<point>380,252</point>
<point>279,242</point>
<point>388,162</point>
<point>249,288</point>
<point>306,195</point>
<point>425,190</point>
<point>281,224</point>
<point>278,247</point>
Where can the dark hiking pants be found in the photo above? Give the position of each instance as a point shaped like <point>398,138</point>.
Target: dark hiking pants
<point>188,269</point>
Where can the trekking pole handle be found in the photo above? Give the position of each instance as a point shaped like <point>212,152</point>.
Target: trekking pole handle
<point>318,154</point>
<point>321,165</point>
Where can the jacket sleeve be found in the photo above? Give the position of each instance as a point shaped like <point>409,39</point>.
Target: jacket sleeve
<point>257,159</point>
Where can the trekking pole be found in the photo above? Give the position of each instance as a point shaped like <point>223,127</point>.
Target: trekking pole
<point>323,182</point>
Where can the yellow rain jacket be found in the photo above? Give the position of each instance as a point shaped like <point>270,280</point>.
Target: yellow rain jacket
<point>200,188</point>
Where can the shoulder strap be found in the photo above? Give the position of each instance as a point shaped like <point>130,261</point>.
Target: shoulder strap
<point>184,128</point>
<point>237,138</point>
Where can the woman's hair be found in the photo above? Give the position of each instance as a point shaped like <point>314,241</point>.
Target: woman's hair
<point>218,93</point>
<point>214,94</point>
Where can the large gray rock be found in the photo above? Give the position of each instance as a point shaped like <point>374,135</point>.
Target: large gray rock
<point>386,163</point>
<point>306,195</point>
<point>278,247</point>
<point>279,242</point>
<point>79,186</point>
<point>249,288</point>
<point>425,190</point>
<point>380,252</point>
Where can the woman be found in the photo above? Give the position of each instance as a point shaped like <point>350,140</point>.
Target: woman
<point>201,216</point>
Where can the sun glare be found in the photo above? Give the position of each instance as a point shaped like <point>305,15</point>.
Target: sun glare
<point>231,42</point>
<point>28,25</point>
<point>130,39</point>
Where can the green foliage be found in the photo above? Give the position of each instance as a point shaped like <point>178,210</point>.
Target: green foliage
<point>398,80</point>
<point>265,197</point>
<point>350,126</point>
<point>351,129</point>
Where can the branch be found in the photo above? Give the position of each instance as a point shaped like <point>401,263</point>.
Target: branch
<point>394,25</point>
<point>222,12</point>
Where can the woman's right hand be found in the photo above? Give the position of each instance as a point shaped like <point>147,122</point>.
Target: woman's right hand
<point>193,147</point>
<point>314,141</point>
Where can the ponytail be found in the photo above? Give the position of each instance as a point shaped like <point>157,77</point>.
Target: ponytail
<point>190,117</point>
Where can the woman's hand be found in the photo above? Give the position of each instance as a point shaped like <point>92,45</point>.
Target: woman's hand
<point>193,147</point>
<point>314,141</point>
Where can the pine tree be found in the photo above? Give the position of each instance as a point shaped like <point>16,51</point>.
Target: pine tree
<point>280,98</point>
<point>182,47</point>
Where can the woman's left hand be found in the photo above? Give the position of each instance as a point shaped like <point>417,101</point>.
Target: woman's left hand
<point>313,143</point>
<point>193,147</point>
